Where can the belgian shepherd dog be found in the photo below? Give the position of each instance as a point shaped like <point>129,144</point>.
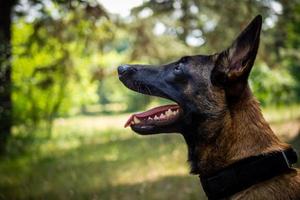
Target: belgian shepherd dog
<point>230,145</point>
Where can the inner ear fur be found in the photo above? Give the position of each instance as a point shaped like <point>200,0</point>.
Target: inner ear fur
<point>233,66</point>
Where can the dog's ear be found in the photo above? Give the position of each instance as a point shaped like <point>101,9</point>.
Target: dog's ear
<point>233,66</point>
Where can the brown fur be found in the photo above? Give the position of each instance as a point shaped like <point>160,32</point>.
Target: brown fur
<point>246,133</point>
<point>285,187</point>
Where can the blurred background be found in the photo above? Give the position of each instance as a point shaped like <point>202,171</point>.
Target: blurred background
<point>62,107</point>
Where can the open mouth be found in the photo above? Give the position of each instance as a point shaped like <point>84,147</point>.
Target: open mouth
<point>158,116</point>
<point>161,119</point>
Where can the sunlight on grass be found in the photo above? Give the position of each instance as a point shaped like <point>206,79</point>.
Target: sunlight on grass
<point>90,124</point>
<point>96,164</point>
<point>281,113</point>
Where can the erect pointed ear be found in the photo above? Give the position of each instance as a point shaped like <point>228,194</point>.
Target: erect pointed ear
<point>233,66</point>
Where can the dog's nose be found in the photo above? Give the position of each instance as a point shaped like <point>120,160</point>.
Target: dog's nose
<point>122,69</point>
<point>125,69</point>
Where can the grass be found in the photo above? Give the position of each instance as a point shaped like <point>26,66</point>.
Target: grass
<point>93,157</point>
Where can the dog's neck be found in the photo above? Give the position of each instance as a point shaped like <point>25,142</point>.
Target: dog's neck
<point>243,133</point>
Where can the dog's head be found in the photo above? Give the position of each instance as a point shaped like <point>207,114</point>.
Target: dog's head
<point>202,86</point>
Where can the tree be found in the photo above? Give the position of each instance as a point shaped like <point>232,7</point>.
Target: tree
<point>89,9</point>
<point>5,72</point>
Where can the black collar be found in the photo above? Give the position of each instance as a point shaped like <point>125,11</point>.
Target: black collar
<point>247,172</point>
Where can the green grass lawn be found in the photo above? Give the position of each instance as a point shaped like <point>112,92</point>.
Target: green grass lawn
<point>93,157</point>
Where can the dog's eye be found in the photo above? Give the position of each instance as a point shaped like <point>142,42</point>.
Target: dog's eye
<point>178,70</point>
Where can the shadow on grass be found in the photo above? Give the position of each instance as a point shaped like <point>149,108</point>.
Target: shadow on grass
<point>171,187</point>
<point>130,168</point>
<point>104,167</point>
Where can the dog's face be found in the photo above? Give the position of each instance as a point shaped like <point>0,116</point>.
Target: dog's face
<point>187,82</point>
<point>202,86</point>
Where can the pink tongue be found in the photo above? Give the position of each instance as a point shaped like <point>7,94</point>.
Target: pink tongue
<point>159,109</point>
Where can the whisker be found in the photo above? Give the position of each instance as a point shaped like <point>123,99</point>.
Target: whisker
<point>139,87</point>
<point>149,90</point>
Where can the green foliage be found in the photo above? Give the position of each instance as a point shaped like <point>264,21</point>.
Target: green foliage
<point>56,69</point>
<point>272,87</point>
<point>65,59</point>
<point>291,53</point>
<point>48,78</point>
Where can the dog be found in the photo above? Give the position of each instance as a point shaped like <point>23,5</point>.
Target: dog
<point>230,145</point>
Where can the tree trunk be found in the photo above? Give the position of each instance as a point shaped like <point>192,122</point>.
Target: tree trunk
<point>5,72</point>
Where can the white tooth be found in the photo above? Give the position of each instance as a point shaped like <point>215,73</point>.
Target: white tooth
<point>150,118</point>
<point>155,117</point>
<point>162,116</point>
<point>168,112</point>
<point>136,120</point>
